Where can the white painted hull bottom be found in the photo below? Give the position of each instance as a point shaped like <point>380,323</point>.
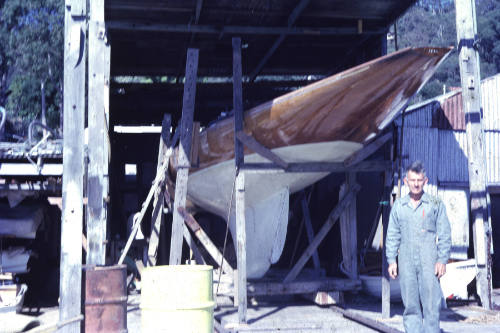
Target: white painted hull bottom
<point>266,196</point>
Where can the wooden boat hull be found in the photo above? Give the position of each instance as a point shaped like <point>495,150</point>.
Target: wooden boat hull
<point>326,121</point>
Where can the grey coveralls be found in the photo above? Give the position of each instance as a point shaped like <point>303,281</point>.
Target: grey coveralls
<point>413,231</point>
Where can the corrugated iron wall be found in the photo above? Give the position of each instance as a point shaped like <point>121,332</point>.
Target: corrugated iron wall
<point>446,114</point>
<point>490,98</point>
<point>434,132</point>
<point>422,144</point>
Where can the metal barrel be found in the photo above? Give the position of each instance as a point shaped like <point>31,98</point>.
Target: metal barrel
<point>106,298</point>
<point>177,298</point>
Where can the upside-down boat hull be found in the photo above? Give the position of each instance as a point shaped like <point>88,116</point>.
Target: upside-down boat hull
<point>326,121</point>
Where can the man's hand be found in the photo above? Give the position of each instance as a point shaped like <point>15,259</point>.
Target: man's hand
<point>393,270</point>
<point>439,269</point>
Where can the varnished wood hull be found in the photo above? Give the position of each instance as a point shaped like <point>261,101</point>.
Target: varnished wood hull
<point>326,121</point>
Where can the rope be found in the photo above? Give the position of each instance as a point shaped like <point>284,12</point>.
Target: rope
<point>227,231</point>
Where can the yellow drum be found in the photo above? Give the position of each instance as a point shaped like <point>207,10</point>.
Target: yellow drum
<point>177,298</point>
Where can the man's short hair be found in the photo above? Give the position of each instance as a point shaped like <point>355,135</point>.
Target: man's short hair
<point>417,167</point>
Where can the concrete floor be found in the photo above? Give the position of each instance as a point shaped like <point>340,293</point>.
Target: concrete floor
<point>291,314</point>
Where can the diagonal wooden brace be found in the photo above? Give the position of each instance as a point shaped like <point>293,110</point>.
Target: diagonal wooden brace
<point>205,240</point>
<point>257,147</point>
<point>330,222</point>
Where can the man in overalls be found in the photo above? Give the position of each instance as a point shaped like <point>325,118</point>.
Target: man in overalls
<point>419,229</point>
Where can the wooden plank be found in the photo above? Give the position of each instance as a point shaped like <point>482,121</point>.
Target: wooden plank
<point>330,222</point>
<point>238,30</point>
<point>366,166</point>
<point>97,181</point>
<point>73,128</point>
<point>295,287</point>
<point>195,145</point>
<point>184,153</point>
<point>367,150</point>
<point>348,231</point>
<point>258,148</point>
<point>386,289</point>
<point>158,201</point>
<point>241,254</point>
<point>309,230</point>
<point>471,96</point>
<point>192,245</point>
<point>160,176</point>
<point>291,20</point>
<point>205,240</point>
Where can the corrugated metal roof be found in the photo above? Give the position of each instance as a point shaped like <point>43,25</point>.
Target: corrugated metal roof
<point>446,111</point>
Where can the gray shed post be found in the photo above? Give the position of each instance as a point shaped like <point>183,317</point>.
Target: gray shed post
<point>99,142</point>
<point>73,170</point>
<point>471,95</point>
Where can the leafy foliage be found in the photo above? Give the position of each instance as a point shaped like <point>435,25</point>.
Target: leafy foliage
<point>31,33</point>
<point>432,23</point>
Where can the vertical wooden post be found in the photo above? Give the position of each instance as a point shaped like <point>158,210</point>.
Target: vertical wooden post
<point>386,209</point>
<point>72,187</point>
<point>184,153</point>
<point>348,230</point>
<point>239,184</point>
<point>158,200</point>
<point>98,102</point>
<point>471,96</point>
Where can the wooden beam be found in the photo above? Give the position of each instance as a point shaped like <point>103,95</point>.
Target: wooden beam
<point>291,21</point>
<point>309,230</point>
<point>98,96</point>
<point>158,201</point>
<point>344,13</point>
<point>367,166</point>
<point>330,222</point>
<point>205,241</point>
<point>348,230</point>
<point>184,153</point>
<point>231,29</point>
<point>199,5</point>
<point>241,242</point>
<point>367,150</point>
<point>295,287</point>
<point>192,245</point>
<point>258,148</point>
<point>158,181</point>
<point>386,209</point>
<point>471,96</point>
<point>73,129</point>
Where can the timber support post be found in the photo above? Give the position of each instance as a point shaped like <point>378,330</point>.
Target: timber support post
<point>73,170</point>
<point>184,162</point>
<point>98,145</point>
<point>158,200</point>
<point>241,244</point>
<point>471,95</point>
<point>386,209</point>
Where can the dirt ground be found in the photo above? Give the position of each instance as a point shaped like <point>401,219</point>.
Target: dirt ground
<point>290,314</point>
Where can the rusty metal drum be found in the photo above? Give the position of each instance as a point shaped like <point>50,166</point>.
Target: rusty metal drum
<point>106,298</point>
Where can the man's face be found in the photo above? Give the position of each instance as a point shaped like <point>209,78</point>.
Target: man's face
<point>415,182</point>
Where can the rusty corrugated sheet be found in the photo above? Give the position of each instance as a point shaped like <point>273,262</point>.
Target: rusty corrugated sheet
<point>446,111</point>
<point>451,114</point>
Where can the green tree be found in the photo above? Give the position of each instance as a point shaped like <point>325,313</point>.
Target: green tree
<point>432,23</point>
<point>32,35</point>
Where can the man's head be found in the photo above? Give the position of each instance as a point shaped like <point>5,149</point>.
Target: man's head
<point>415,178</point>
